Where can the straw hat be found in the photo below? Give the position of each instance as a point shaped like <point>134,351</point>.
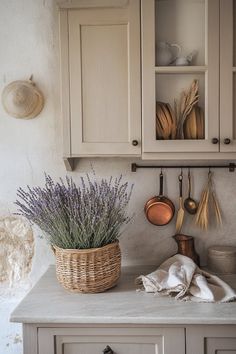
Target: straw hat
<point>22,99</point>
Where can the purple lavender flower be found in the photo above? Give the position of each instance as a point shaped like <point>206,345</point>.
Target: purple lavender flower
<point>72,217</point>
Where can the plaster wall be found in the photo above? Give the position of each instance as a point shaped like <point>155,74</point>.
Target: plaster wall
<point>29,45</point>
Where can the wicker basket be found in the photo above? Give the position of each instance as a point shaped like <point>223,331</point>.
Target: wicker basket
<point>90,270</point>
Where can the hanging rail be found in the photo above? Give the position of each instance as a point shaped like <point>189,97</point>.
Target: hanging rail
<point>231,166</point>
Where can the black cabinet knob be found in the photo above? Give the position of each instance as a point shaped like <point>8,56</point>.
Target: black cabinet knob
<point>134,142</point>
<point>215,141</point>
<point>108,350</point>
<point>227,141</point>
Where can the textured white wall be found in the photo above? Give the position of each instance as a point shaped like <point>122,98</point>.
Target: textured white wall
<point>29,45</point>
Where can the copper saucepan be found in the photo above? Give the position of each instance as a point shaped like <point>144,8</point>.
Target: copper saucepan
<point>159,210</point>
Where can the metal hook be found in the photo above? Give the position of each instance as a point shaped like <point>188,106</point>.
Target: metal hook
<point>181,174</point>
<point>189,172</point>
<point>209,173</point>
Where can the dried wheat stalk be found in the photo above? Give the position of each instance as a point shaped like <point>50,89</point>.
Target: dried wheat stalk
<point>216,206</point>
<point>202,216</point>
<point>217,209</point>
<point>208,199</point>
<point>188,100</point>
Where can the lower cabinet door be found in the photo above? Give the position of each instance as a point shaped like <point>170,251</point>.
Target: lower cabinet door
<point>111,340</point>
<point>211,340</point>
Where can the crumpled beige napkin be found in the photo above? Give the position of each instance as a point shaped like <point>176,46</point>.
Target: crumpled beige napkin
<point>181,277</point>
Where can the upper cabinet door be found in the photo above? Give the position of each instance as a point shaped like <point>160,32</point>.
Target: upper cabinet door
<point>103,52</point>
<point>180,66</point>
<point>228,75</point>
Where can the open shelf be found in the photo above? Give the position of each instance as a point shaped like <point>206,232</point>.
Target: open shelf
<point>180,69</point>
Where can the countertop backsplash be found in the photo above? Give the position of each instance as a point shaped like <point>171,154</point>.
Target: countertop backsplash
<point>144,243</point>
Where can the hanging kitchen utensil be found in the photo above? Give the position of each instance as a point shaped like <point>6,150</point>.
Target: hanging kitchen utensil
<point>159,210</point>
<point>180,215</point>
<point>190,204</point>
<point>208,202</point>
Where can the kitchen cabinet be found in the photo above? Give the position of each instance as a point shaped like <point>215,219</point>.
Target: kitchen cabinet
<point>211,339</point>
<point>199,27</point>
<point>101,87</point>
<point>106,46</point>
<point>194,26</point>
<point>228,75</point>
<point>123,339</point>
<point>120,340</point>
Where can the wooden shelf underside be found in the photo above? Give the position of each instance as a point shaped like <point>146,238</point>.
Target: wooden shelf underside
<point>180,69</point>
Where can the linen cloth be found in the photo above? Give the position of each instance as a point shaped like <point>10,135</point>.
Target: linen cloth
<point>181,277</point>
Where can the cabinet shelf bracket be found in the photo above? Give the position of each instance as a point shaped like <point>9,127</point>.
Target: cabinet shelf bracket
<point>231,166</point>
<point>69,163</point>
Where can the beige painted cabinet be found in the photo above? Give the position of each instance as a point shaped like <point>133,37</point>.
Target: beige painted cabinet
<point>101,86</point>
<point>228,75</point>
<point>115,340</point>
<point>104,49</point>
<point>125,339</point>
<point>211,340</point>
<point>183,41</point>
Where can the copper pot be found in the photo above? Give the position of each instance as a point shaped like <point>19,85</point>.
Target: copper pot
<point>159,210</point>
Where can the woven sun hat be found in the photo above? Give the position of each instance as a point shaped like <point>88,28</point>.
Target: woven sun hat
<point>22,99</point>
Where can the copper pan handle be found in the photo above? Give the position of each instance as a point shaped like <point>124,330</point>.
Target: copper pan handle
<point>181,185</point>
<point>161,184</point>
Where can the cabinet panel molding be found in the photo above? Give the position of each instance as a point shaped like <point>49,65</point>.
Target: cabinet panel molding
<point>150,74</point>
<point>83,4</point>
<point>227,125</point>
<point>123,340</point>
<point>65,83</point>
<point>101,65</point>
<point>211,339</point>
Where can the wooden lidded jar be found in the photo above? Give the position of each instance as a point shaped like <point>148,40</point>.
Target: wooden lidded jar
<point>222,259</point>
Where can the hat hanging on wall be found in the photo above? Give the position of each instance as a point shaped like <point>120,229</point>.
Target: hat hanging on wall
<point>22,99</point>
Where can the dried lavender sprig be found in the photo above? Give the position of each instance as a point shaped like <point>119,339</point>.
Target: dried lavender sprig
<point>87,216</point>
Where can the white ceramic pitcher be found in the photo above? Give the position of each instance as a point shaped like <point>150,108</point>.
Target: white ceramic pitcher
<point>165,54</point>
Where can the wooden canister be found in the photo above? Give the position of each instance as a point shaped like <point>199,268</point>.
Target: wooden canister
<point>222,259</point>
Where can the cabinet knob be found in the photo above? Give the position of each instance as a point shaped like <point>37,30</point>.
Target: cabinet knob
<point>227,141</point>
<point>215,141</point>
<point>134,142</point>
<point>108,350</point>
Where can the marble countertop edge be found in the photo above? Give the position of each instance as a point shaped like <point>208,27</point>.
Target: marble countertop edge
<point>127,320</point>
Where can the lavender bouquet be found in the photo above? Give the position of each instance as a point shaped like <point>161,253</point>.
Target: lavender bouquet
<point>72,217</point>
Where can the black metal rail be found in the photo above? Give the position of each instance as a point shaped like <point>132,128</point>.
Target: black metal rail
<point>230,166</point>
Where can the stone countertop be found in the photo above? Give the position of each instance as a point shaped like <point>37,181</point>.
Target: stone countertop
<point>48,302</point>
